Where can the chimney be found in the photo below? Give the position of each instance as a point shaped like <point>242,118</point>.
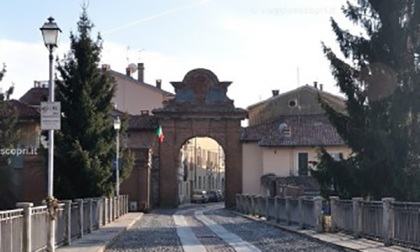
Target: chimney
<point>316,84</point>
<point>140,69</point>
<point>144,112</point>
<point>106,67</point>
<point>321,87</point>
<point>159,83</point>
<point>275,92</point>
<point>128,72</point>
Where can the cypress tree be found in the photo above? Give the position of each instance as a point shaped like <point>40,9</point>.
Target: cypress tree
<point>86,143</point>
<point>8,138</point>
<point>378,73</point>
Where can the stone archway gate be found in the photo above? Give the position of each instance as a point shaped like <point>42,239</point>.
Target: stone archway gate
<point>201,108</point>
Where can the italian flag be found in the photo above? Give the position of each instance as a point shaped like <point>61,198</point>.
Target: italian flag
<point>159,134</point>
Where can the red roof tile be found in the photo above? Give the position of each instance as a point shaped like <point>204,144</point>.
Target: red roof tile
<point>35,96</point>
<point>142,122</point>
<point>25,111</point>
<point>306,130</point>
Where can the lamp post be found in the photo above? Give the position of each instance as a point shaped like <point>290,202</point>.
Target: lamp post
<point>117,126</point>
<point>50,34</point>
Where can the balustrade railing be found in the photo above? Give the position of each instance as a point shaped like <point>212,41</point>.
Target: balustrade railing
<point>25,229</point>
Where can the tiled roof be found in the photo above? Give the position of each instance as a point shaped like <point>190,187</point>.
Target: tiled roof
<point>306,130</point>
<point>25,111</point>
<point>124,76</point>
<point>324,94</point>
<point>35,96</point>
<point>142,122</point>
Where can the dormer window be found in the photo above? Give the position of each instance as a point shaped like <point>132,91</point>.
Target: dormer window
<point>292,103</point>
<point>285,130</point>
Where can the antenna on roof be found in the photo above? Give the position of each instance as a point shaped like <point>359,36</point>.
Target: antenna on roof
<point>126,54</point>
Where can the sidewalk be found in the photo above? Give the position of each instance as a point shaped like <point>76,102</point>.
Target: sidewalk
<point>98,240</point>
<point>341,240</point>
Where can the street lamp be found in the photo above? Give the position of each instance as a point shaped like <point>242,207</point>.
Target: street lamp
<point>117,126</point>
<point>50,34</point>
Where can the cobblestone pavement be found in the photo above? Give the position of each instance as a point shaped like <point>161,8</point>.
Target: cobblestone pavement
<point>264,237</point>
<point>210,240</point>
<point>156,231</point>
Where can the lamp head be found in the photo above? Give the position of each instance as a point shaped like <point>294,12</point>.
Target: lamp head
<point>50,33</point>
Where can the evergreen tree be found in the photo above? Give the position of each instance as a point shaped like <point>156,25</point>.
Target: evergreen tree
<point>86,143</point>
<point>8,139</point>
<point>379,76</point>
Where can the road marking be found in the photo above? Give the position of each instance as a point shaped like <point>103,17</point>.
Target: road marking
<point>233,240</point>
<point>189,241</point>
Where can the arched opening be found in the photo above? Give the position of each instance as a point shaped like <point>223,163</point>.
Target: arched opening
<point>201,167</point>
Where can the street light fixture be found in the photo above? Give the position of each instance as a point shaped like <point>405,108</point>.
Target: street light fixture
<point>117,126</point>
<point>50,34</point>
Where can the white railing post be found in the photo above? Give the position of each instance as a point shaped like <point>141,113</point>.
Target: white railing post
<point>111,210</point>
<point>253,205</point>
<point>300,207</point>
<point>388,220</point>
<point>246,204</point>
<point>90,215</point>
<point>276,208</point>
<point>267,207</point>
<point>67,219</point>
<point>126,204</point>
<point>106,210</point>
<point>334,213</point>
<point>114,208</point>
<point>100,211</point>
<point>288,212</point>
<point>318,213</point>
<point>357,217</point>
<point>80,205</point>
<point>27,225</point>
<point>238,205</point>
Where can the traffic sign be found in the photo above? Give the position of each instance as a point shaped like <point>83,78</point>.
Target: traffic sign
<point>50,115</point>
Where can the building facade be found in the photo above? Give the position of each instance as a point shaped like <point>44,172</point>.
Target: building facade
<point>284,135</point>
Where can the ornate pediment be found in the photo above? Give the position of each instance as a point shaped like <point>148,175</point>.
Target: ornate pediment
<point>200,90</point>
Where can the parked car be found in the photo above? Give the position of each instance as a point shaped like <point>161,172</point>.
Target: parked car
<point>214,196</point>
<point>200,196</point>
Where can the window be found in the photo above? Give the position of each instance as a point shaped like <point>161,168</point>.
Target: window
<point>292,103</point>
<point>336,156</point>
<point>199,182</point>
<point>303,164</point>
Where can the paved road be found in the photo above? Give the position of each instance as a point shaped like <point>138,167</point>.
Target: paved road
<point>208,228</point>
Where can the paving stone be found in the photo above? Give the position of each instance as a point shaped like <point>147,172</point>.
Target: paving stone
<point>264,237</point>
<point>154,232</point>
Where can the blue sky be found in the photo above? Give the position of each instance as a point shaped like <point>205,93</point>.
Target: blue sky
<point>259,45</point>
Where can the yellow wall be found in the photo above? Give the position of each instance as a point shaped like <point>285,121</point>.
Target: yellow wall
<point>283,162</point>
